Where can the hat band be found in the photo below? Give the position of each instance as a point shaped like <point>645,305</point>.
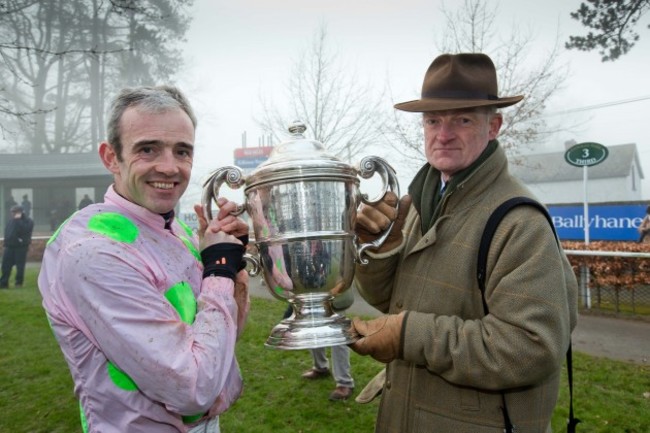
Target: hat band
<point>459,94</point>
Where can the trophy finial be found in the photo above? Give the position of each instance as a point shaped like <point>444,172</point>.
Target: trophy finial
<point>297,128</point>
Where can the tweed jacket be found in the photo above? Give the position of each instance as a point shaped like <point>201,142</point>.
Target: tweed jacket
<point>455,361</point>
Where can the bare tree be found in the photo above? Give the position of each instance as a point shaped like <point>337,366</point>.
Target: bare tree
<point>472,28</point>
<point>338,109</point>
<point>62,57</point>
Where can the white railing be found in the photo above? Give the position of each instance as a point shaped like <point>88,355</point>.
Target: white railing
<point>585,290</point>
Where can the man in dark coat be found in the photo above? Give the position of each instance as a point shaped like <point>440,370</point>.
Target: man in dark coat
<point>18,236</point>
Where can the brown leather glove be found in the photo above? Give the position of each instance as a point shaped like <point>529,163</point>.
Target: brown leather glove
<point>372,220</point>
<point>379,338</point>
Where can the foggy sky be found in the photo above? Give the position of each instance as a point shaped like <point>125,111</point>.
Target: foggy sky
<point>237,51</point>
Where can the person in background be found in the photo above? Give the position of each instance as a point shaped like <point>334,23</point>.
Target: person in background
<point>147,314</point>
<point>644,228</point>
<point>85,201</point>
<point>27,206</point>
<point>9,203</point>
<point>17,237</point>
<point>453,363</point>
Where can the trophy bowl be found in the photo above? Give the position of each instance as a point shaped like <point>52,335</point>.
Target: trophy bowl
<point>303,204</point>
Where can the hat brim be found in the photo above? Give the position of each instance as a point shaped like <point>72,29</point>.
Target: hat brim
<point>443,104</point>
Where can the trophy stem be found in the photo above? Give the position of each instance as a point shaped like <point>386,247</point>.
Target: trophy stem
<point>312,325</point>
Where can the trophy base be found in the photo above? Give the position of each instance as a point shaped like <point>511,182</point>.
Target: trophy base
<point>291,334</point>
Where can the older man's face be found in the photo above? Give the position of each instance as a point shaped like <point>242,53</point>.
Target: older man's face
<point>454,139</point>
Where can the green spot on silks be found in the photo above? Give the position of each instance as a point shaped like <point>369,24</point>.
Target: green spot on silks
<point>278,264</point>
<point>115,226</point>
<point>84,421</point>
<point>120,378</point>
<point>182,299</point>
<point>188,419</point>
<point>185,227</point>
<point>190,246</point>
<point>56,233</point>
<point>279,290</point>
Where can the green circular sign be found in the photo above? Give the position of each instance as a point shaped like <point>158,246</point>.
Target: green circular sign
<point>586,154</point>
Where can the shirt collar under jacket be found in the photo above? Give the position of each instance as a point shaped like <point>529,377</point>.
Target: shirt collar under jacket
<point>143,215</point>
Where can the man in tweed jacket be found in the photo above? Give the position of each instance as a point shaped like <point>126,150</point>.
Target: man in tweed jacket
<point>452,367</point>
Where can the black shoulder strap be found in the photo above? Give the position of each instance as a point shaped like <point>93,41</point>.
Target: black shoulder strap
<point>490,229</point>
<point>484,246</point>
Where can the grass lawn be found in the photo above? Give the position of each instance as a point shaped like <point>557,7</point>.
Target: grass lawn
<point>36,391</point>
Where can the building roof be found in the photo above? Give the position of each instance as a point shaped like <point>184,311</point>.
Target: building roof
<point>552,167</point>
<point>51,165</point>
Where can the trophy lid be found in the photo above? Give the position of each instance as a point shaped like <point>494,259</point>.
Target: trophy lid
<point>299,158</point>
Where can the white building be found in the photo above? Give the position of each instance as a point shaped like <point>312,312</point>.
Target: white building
<point>555,181</point>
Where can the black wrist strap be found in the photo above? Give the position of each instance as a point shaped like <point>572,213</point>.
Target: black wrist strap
<point>222,260</point>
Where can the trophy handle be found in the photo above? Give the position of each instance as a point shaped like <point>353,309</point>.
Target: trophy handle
<point>233,177</point>
<point>254,262</point>
<point>367,168</point>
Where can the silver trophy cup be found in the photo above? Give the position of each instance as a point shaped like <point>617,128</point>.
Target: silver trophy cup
<point>303,205</point>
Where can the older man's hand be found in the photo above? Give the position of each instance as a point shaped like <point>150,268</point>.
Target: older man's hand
<point>373,220</point>
<point>380,337</point>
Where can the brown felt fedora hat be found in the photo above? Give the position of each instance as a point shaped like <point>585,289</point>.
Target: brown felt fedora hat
<point>455,81</point>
